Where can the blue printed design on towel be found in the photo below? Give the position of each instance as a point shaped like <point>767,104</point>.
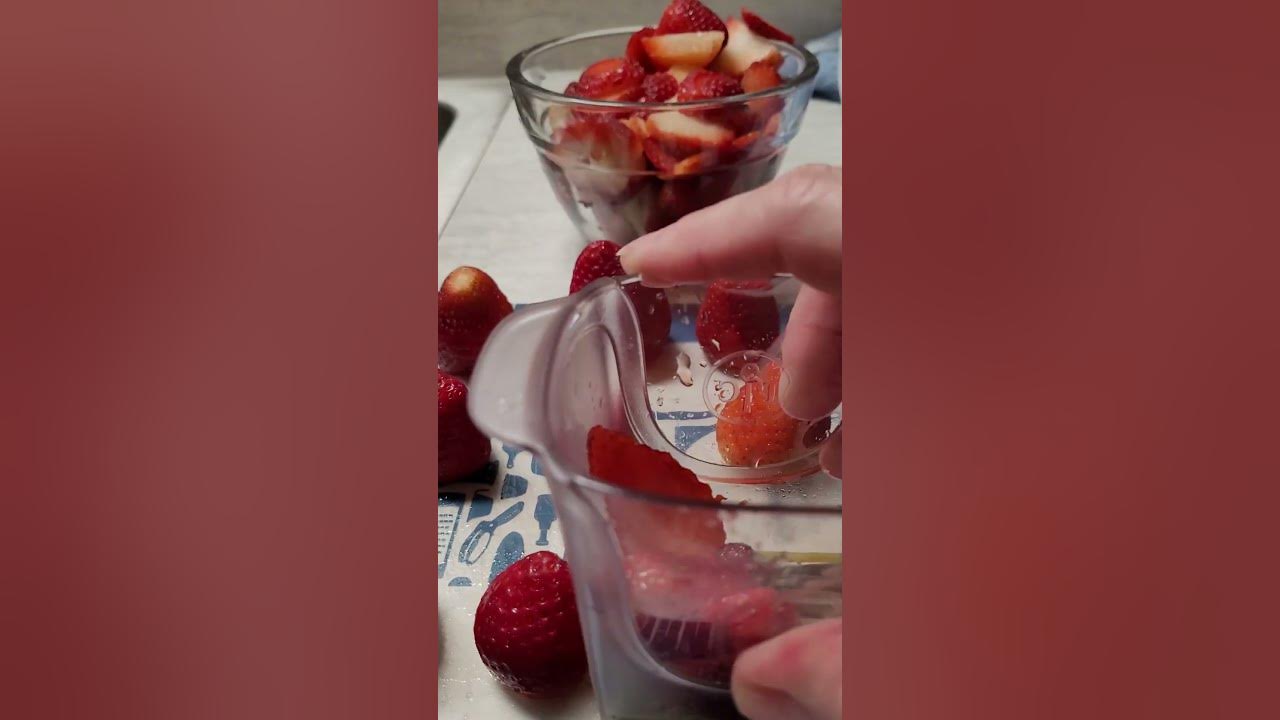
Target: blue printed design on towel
<point>509,550</point>
<point>460,582</point>
<point>513,486</point>
<point>687,435</point>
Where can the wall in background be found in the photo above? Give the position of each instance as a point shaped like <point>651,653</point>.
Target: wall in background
<point>478,37</point>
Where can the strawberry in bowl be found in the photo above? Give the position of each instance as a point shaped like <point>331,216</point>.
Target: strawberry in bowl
<point>638,127</point>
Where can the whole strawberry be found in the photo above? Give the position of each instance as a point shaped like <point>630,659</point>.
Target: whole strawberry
<point>600,259</point>
<point>527,630</point>
<point>753,429</point>
<point>471,305</point>
<point>687,16</point>
<point>736,316</point>
<point>463,450</point>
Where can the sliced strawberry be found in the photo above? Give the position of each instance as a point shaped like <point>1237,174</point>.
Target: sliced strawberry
<point>743,619</point>
<point>637,125</point>
<point>744,48</point>
<point>601,142</point>
<point>601,157</point>
<point>772,125</point>
<point>680,196</point>
<point>660,87</point>
<point>762,28</point>
<point>760,75</point>
<point>660,155</point>
<point>612,79</point>
<point>707,85</point>
<point>681,135</point>
<point>686,16</point>
<point>635,48</point>
<point>693,49</point>
<point>680,72</point>
<point>616,458</point>
<point>753,429</point>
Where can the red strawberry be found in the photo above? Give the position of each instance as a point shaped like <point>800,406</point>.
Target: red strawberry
<point>600,259</point>
<point>742,48</point>
<point>659,87</point>
<point>597,260</point>
<point>617,459</point>
<point>753,429</point>
<point>527,629</point>
<point>762,28</point>
<point>683,50</point>
<point>612,79</point>
<point>707,85</point>
<point>635,47</point>
<point>470,306</point>
<point>679,586</point>
<point>743,619</point>
<point>463,450</point>
<point>736,316</point>
<point>685,16</point>
<point>760,75</point>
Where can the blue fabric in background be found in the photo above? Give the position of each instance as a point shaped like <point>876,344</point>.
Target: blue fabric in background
<point>827,50</point>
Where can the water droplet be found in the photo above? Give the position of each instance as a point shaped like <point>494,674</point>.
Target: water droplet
<point>702,363</point>
<point>750,372</point>
<point>659,401</point>
<point>683,373</point>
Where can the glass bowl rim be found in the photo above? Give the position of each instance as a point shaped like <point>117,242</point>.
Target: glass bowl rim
<point>516,77</point>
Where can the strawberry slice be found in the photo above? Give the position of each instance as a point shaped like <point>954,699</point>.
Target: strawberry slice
<point>680,72</point>
<point>601,157</point>
<point>635,47</point>
<point>743,48</point>
<point>616,458</point>
<point>707,85</point>
<point>681,135</point>
<point>618,79</point>
<point>753,429</point>
<point>659,87</point>
<point>693,49</point>
<point>686,16</point>
<point>760,76</point>
<point>743,619</point>
<point>762,28</point>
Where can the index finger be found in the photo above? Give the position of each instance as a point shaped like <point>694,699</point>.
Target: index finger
<point>791,225</point>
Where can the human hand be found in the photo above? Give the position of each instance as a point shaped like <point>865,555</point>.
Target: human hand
<point>791,225</point>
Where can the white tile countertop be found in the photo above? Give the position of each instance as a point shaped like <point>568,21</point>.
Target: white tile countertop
<point>507,222</point>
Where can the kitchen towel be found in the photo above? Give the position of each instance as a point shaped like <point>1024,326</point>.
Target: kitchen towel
<point>827,49</point>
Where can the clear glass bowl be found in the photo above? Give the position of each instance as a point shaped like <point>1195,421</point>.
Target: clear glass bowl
<point>606,179</point>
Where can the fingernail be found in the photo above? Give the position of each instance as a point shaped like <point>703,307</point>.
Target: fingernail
<point>625,258</point>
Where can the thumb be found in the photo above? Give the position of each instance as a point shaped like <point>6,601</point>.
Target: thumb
<point>794,676</point>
